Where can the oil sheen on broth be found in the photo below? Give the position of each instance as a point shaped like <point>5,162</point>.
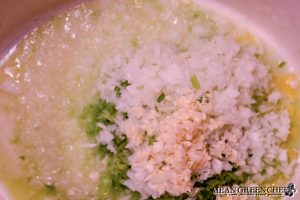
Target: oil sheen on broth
<point>47,81</point>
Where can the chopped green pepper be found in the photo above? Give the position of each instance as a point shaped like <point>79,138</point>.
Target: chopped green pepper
<point>124,115</point>
<point>195,82</point>
<point>151,139</point>
<point>281,64</point>
<point>161,97</point>
<point>259,100</point>
<point>125,83</point>
<point>118,91</point>
<point>99,111</point>
<point>111,181</point>
<point>225,178</point>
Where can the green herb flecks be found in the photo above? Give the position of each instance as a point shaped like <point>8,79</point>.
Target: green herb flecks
<point>118,91</point>
<point>203,100</point>
<point>102,151</point>
<point>225,178</point>
<point>281,64</point>
<point>259,100</point>
<point>99,111</point>
<point>199,15</point>
<point>135,196</point>
<point>124,115</point>
<point>151,139</point>
<point>195,82</point>
<point>125,84</point>
<point>50,189</point>
<point>161,97</point>
<point>118,88</point>
<point>111,181</point>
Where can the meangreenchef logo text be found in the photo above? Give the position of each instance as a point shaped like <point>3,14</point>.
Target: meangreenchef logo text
<point>289,190</point>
